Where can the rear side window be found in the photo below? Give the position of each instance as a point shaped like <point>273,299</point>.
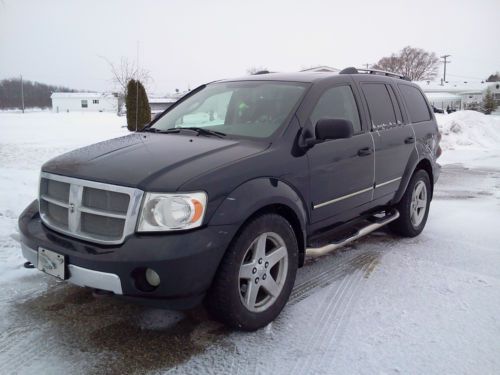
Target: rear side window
<point>380,104</point>
<point>415,102</point>
<point>337,103</point>
<point>395,105</point>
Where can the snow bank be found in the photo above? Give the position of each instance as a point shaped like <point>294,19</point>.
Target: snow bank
<point>469,129</point>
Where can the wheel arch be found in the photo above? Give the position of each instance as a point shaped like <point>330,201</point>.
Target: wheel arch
<point>290,215</point>
<point>260,196</point>
<point>414,165</point>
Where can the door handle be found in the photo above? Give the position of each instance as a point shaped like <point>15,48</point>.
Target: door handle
<point>365,151</point>
<point>410,140</point>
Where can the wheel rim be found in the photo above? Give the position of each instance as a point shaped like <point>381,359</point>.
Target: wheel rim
<point>418,203</point>
<point>263,272</point>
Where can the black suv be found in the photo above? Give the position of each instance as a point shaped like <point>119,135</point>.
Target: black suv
<point>221,197</point>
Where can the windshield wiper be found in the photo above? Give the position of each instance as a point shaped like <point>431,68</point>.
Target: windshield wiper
<point>202,131</point>
<point>156,130</point>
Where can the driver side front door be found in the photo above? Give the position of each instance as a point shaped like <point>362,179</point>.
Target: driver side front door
<point>342,170</point>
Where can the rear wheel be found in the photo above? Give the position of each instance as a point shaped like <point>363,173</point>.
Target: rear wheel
<point>257,274</point>
<point>414,206</point>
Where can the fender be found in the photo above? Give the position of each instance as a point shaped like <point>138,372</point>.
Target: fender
<point>256,194</point>
<point>413,161</point>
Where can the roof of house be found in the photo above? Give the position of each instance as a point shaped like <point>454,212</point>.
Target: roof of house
<point>80,95</point>
<point>162,100</point>
<point>457,87</point>
<point>442,96</point>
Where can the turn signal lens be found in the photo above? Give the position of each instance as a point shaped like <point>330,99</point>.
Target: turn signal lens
<point>198,210</point>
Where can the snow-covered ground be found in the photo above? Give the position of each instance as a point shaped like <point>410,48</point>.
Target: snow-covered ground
<point>382,305</point>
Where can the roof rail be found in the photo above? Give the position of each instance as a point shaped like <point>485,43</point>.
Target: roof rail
<point>352,70</point>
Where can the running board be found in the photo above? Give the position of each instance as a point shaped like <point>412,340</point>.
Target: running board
<point>378,223</point>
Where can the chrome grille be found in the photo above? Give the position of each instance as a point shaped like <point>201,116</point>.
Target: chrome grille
<point>88,210</point>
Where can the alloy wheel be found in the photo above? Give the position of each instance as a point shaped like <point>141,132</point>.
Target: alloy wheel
<point>418,203</point>
<point>263,272</point>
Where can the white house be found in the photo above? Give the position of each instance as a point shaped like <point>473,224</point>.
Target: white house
<point>158,105</point>
<point>459,95</point>
<point>84,102</point>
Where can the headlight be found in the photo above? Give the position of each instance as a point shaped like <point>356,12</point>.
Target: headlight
<point>165,212</point>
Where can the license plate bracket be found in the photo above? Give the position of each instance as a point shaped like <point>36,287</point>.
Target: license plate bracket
<point>51,263</point>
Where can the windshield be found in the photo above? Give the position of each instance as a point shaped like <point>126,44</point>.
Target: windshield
<point>249,108</point>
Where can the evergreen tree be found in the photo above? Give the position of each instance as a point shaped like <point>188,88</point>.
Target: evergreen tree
<point>489,104</point>
<point>138,108</point>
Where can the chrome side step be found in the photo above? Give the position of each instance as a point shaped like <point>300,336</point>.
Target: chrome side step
<point>319,251</point>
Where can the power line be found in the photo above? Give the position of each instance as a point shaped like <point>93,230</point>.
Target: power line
<point>445,61</point>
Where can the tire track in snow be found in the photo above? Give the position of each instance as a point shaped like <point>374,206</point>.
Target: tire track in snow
<point>326,361</point>
<point>250,360</point>
<point>324,313</point>
<point>331,318</point>
<point>326,277</point>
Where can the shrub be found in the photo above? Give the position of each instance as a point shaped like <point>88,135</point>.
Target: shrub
<point>489,104</point>
<point>138,109</point>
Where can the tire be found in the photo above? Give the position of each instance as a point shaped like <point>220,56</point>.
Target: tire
<point>240,296</point>
<point>410,222</point>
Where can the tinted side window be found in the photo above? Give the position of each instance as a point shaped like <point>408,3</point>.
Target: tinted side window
<point>379,104</point>
<point>339,103</point>
<point>415,102</point>
<point>397,108</point>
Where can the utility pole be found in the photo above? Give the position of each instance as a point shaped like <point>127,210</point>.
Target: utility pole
<point>137,89</point>
<point>445,61</point>
<point>22,93</point>
<point>367,66</point>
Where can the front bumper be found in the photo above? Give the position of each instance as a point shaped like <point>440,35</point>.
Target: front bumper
<point>82,276</point>
<point>185,261</point>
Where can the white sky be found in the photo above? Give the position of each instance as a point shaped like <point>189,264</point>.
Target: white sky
<point>190,42</point>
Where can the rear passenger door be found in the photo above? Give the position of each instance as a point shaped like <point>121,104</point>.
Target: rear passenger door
<point>422,120</point>
<point>393,139</point>
<point>341,170</point>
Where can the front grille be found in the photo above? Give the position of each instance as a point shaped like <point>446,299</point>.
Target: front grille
<point>88,210</point>
<point>111,201</point>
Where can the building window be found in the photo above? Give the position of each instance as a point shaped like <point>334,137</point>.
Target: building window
<point>85,103</point>
<point>95,101</point>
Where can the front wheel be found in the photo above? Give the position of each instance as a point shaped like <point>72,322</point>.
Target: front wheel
<point>257,274</point>
<point>414,206</point>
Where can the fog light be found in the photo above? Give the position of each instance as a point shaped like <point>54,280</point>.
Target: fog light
<point>152,277</point>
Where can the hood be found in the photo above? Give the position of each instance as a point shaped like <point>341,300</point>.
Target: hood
<point>148,161</point>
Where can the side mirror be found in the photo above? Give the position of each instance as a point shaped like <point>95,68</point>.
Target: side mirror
<point>328,128</point>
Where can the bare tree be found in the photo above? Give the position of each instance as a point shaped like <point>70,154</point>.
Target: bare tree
<point>415,63</point>
<point>256,69</point>
<point>494,77</point>
<point>126,70</point>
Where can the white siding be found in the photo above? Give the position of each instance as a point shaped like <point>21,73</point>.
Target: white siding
<point>95,103</point>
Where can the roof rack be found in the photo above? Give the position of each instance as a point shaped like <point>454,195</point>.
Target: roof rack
<point>352,70</point>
